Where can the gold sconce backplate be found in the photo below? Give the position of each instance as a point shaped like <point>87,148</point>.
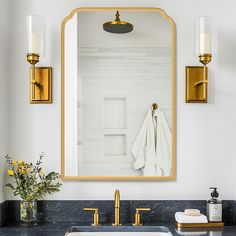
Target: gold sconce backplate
<point>40,85</point>
<point>196,84</point>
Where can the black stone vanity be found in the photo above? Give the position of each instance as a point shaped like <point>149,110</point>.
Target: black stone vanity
<point>56,217</point>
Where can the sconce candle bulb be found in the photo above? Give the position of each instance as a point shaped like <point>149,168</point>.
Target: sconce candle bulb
<point>205,43</point>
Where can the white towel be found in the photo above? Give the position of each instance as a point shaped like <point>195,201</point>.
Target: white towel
<point>181,217</point>
<point>152,146</point>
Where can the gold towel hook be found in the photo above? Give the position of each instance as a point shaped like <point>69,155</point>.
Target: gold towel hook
<point>154,106</point>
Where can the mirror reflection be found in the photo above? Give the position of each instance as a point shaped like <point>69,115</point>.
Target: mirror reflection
<point>118,114</point>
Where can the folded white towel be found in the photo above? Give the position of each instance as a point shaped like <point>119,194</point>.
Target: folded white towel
<point>181,217</point>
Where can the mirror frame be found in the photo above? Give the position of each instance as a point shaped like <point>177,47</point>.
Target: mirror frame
<point>119,178</point>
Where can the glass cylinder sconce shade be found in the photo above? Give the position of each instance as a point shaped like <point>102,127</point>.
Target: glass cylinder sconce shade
<point>35,34</point>
<point>205,36</point>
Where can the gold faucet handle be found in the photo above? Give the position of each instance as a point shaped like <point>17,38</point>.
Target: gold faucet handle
<point>95,216</point>
<point>137,216</point>
<point>142,209</point>
<point>92,209</point>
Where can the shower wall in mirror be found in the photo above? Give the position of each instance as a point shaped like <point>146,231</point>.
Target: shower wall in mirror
<point>118,95</point>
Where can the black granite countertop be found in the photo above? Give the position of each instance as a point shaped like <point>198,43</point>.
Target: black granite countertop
<point>60,228</point>
<point>59,216</point>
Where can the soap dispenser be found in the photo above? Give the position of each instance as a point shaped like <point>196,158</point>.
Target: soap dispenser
<point>214,207</point>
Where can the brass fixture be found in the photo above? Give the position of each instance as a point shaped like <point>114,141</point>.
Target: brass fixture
<point>137,218</point>
<point>205,59</point>
<point>154,106</point>
<point>32,58</point>
<point>95,216</point>
<point>40,77</point>
<point>197,76</point>
<point>117,208</point>
<point>183,226</point>
<point>117,26</point>
<point>40,81</point>
<point>197,81</point>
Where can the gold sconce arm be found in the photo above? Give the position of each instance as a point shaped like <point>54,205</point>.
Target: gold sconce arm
<point>201,82</point>
<point>40,81</point>
<point>95,216</point>
<point>33,82</point>
<point>137,217</point>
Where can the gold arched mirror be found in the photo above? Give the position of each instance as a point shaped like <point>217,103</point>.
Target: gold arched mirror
<point>118,111</point>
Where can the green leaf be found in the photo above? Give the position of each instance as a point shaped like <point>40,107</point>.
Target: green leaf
<point>10,186</point>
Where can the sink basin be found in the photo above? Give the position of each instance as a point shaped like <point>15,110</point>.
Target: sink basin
<point>118,231</point>
<point>118,234</point>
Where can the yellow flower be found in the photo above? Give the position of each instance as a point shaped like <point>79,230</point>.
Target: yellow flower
<point>21,171</point>
<point>28,170</point>
<point>21,162</point>
<point>14,163</point>
<point>10,172</point>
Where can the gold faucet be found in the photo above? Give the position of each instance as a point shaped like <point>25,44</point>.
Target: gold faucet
<point>117,208</point>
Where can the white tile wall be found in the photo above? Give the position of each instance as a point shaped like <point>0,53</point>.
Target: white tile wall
<point>115,113</point>
<point>118,86</point>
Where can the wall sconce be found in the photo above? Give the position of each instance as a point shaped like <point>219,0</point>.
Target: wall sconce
<point>197,76</point>
<point>40,77</point>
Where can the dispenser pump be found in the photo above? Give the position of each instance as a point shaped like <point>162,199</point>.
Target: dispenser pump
<point>214,194</point>
<point>214,207</point>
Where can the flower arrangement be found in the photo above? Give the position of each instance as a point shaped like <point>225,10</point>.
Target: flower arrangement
<point>31,183</point>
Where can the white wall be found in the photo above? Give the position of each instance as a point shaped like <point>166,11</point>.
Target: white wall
<point>206,132</point>
<point>4,25</point>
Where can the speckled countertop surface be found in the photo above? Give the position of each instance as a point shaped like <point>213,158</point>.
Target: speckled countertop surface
<point>59,216</point>
<point>60,228</point>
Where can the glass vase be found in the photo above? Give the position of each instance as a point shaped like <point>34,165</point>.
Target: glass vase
<point>28,212</point>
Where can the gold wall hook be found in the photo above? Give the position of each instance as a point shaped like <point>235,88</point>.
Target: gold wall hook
<point>40,81</point>
<point>154,106</point>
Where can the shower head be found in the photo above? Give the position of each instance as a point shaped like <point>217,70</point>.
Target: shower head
<point>117,26</point>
